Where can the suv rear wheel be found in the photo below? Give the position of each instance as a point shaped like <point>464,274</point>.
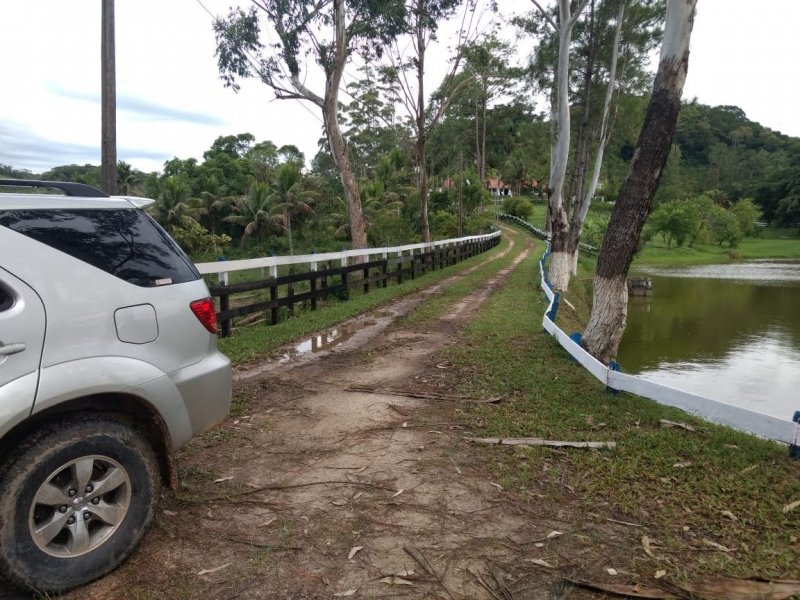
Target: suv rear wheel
<point>78,498</point>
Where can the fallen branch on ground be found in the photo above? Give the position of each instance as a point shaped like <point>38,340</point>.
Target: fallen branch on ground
<point>541,442</point>
<point>426,566</point>
<point>296,485</point>
<point>365,389</point>
<point>667,424</point>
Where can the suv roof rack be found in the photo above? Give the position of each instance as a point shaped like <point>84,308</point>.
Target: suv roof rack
<point>69,188</point>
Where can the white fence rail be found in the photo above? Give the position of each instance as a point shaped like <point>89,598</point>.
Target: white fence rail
<point>772,428</point>
<point>222,268</point>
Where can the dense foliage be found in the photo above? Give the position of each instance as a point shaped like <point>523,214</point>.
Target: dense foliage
<point>247,197</point>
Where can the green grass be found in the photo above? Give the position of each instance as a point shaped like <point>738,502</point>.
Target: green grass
<point>249,343</point>
<point>776,243</point>
<point>505,352</point>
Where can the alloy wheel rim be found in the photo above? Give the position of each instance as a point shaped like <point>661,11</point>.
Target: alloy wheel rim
<point>79,506</point>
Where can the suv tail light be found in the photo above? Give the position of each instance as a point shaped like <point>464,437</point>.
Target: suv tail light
<point>206,313</point>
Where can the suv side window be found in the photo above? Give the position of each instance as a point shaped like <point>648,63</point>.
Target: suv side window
<point>126,243</point>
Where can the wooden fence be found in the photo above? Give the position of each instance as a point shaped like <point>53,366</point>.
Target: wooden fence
<point>318,283</point>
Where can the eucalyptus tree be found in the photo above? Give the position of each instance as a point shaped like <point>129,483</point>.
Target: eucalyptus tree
<point>487,65</point>
<point>561,258</point>
<point>610,296</point>
<point>600,45</point>
<point>406,78</point>
<point>326,31</point>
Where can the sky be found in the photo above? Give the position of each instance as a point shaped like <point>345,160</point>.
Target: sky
<point>171,102</point>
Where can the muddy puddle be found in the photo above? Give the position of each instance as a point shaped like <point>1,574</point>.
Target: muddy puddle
<point>327,340</point>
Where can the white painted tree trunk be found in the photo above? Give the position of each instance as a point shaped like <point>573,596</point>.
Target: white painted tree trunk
<point>609,316</point>
<point>575,254</point>
<point>560,265</point>
<point>610,302</point>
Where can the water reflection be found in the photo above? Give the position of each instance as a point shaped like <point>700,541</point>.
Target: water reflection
<point>328,340</point>
<point>728,332</point>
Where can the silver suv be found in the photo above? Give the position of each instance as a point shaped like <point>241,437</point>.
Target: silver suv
<point>108,363</point>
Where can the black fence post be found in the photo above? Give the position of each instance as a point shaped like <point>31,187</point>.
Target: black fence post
<point>273,296</point>
<point>224,305</point>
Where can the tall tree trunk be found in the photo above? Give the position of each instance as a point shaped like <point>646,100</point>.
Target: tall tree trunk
<point>560,260</point>
<point>108,150</point>
<point>582,209</point>
<point>330,119</point>
<point>610,300</point>
<point>421,126</point>
<point>288,219</point>
<point>478,157</point>
<point>358,229</point>
<point>423,190</point>
<point>580,166</point>
<point>483,138</point>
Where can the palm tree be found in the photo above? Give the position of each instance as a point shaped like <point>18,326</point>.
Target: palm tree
<point>255,211</point>
<point>128,179</point>
<point>211,207</point>
<point>173,204</point>
<point>290,197</point>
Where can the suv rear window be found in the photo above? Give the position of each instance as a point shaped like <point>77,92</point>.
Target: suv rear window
<point>5,300</point>
<point>126,243</point>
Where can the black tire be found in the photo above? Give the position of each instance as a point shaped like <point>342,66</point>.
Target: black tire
<point>31,465</point>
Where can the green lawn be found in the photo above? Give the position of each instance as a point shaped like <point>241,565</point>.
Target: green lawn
<point>775,243</point>
<point>505,352</point>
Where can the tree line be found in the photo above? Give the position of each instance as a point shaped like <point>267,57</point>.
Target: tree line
<point>399,162</point>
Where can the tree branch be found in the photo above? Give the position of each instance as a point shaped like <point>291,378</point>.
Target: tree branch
<point>547,17</point>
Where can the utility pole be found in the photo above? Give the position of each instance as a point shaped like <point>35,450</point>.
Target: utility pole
<point>108,101</point>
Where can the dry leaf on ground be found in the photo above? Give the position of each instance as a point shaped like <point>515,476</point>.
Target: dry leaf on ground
<point>719,547</point>
<point>541,562</point>
<point>394,580</point>
<point>646,546</point>
<point>343,594</point>
<point>215,569</point>
<point>791,506</point>
<point>355,550</point>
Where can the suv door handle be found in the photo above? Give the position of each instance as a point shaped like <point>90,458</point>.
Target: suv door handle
<point>9,349</point>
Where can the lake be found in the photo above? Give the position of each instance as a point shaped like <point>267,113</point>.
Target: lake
<point>728,332</point>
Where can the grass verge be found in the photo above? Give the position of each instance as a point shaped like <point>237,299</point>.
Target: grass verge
<point>252,342</point>
<point>688,490</point>
<point>776,243</point>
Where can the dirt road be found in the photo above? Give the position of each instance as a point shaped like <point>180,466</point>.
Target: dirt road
<point>341,476</point>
